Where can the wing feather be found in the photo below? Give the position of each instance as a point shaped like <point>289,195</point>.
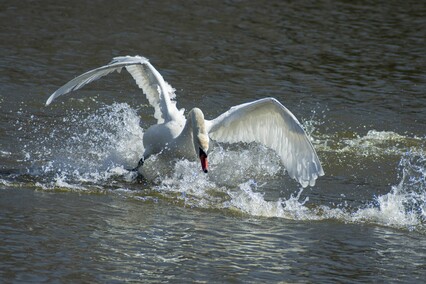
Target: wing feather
<point>268,122</point>
<point>158,92</point>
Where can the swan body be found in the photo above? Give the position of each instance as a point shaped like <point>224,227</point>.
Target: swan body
<point>265,121</point>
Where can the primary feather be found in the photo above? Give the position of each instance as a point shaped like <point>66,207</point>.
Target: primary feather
<point>268,122</point>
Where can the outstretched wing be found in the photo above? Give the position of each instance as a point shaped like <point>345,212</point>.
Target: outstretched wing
<point>268,122</point>
<point>158,92</point>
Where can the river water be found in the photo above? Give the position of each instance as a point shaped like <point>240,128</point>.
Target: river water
<point>353,72</point>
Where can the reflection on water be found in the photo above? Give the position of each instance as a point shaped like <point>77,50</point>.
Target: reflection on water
<point>353,73</point>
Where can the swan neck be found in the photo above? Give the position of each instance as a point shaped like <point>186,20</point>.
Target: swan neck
<point>196,118</point>
<point>199,133</point>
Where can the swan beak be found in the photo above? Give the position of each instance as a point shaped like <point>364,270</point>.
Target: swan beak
<point>204,162</point>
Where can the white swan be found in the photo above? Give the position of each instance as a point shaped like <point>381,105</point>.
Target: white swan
<point>265,121</point>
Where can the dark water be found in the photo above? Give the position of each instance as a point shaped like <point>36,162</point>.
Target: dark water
<point>352,72</point>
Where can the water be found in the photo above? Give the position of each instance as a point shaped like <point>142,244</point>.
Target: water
<point>353,73</point>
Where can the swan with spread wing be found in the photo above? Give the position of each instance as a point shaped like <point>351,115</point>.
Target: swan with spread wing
<point>265,121</point>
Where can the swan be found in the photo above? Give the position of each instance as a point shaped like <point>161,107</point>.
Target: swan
<point>265,121</point>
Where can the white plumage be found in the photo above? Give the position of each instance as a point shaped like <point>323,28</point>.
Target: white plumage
<point>264,121</point>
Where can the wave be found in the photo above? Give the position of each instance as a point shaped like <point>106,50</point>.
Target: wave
<point>88,151</point>
<point>373,144</point>
<point>405,205</point>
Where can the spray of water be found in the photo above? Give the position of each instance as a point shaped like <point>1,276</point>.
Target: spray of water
<point>91,150</point>
<point>85,147</point>
<point>405,205</point>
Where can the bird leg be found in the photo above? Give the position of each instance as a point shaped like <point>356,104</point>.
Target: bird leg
<point>140,164</point>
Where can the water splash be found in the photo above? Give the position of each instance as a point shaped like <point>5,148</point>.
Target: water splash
<point>185,179</point>
<point>373,144</point>
<point>405,205</point>
<point>86,148</point>
<point>89,151</point>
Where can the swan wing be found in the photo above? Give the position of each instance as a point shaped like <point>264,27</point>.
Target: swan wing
<point>158,92</point>
<point>268,122</point>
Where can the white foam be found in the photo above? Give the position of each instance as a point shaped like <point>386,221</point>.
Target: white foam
<point>87,151</point>
<point>5,153</point>
<point>89,147</point>
<point>254,203</point>
<point>5,182</point>
<point>405,205</point>
<point>373,144</point>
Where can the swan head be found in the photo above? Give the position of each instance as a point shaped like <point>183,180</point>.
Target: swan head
<point>200,137</point>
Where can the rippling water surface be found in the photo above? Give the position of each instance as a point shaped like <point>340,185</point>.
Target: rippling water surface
<point>352,72</point>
